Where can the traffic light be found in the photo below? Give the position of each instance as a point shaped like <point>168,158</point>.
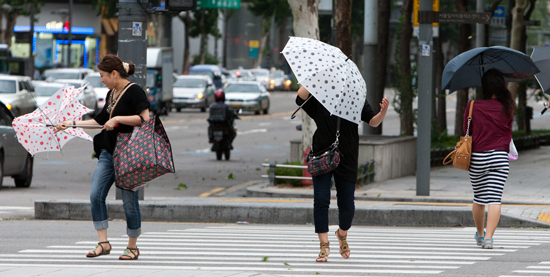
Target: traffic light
<point>181,5</point>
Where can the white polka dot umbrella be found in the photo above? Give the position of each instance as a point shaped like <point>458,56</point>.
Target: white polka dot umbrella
<point>35,131</point>
<point>332,78</point>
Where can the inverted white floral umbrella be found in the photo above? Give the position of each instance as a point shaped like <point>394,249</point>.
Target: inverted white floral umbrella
<point>36,130</point>
<point>331,77</point>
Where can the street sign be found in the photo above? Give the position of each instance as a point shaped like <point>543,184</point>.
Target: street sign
<point>500,12</point>
<point>454,17</point>
<point>499,16</point>
<point>219,4</point>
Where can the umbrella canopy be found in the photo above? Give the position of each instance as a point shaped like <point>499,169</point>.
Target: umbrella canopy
<point>466,69</point>
<point>541,57</point>
<point>36,130</point>
<point>333,79</point>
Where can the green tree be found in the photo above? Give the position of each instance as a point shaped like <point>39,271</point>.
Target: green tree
<point>205,22</point>
<point>269,11</point>
<point>9,11</point>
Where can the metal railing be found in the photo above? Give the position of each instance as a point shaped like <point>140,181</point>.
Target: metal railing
<point>365,173</point>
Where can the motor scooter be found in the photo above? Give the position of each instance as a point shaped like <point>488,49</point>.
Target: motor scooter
<point>221,134</point>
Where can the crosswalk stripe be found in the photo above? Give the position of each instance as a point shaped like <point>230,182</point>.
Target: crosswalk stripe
<point>288,251</point>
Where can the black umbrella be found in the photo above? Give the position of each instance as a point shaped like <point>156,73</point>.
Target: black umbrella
<point>466,69</point>
<point>541,57</point>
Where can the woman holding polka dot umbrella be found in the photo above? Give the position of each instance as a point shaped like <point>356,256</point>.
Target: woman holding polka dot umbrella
<point>339,92</point>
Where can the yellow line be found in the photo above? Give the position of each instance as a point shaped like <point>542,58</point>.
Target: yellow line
<point>545,217</point>
<point>208,193</point>
<point>366,202</point>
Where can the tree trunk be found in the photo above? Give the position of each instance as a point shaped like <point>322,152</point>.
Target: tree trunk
<point>266,25</point>
<point>204,36</point>
<point>10,23</point>
<point>282,41</point>
<point>384,10</point>
<point>441,109</point>
<point>404,77</point>
<point>518,24</point>
<point>306,24</point>
<point>342,22</point>
<point>1,29</point>
<point>186,23</point>
<point>464,31</point>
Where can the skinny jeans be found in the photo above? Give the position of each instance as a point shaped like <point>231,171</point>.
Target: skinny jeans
<point>104,177</point>
<point>345,194</point>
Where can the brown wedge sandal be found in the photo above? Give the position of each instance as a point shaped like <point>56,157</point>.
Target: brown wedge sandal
<point>103,251</point>
<point>128,250</point>
<point>325,251</point>
<point>344,247</point>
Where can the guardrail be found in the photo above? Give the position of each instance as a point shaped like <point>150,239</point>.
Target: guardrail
<point>365,173</point>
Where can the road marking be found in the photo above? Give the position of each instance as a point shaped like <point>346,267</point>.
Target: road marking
<point>237,187</point>
<point>253,131</point>
<point>279,249</point>
<point>208,193</point>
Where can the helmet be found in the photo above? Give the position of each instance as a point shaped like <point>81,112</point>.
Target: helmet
<point>219,95</point>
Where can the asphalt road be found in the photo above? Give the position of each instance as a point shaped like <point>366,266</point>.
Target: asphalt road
<point>260,138</point>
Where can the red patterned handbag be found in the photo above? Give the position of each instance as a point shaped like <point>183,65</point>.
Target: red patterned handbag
<point>142,156</point>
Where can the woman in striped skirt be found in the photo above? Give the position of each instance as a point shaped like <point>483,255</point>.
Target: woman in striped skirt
<point>491,131</point>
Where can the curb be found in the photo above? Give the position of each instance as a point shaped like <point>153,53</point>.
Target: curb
<point>276,211</point>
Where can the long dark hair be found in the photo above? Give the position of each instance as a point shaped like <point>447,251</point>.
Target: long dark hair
<point>112,62</point>
<point>493,83</point>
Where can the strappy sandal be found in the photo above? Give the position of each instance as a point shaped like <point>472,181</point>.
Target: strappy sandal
<point>325,251</point>
<point>103,251</point>
<point>344,247</point>
<point>128,251</point>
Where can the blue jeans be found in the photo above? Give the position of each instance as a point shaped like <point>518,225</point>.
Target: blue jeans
<point>104,177</point>
<point>345,193</point>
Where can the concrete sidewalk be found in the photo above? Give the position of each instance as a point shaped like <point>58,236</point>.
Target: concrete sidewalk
<point>526,202</point>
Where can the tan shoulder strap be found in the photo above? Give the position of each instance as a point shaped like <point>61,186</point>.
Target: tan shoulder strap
<point>471,108</point>
<point>126,88</point>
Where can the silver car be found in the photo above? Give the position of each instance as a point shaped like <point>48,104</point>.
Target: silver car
<point>17,93</point>
<point>193,91</point>
<point>53,74</point>
<point>247,96</point>
<point>100,88</point>
<point>15,161</point>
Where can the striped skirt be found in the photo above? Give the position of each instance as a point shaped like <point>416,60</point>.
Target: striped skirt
<point>488,173</point>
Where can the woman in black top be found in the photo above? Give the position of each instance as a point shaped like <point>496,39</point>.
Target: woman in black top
<point>126,107</point>
<point>345,175</point>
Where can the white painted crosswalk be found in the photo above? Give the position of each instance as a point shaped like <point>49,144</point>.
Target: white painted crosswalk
<point>291,251</point>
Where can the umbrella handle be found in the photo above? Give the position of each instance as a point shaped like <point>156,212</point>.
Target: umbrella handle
<point>294,113</point>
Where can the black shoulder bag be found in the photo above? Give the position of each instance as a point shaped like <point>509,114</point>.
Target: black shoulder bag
<point>326,160</point>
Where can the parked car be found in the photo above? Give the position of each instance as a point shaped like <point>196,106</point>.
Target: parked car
<point>279,81</point>
<point>247,96</point>
<point>262,75</point>
<point>53,74</point>
<point>100,88</point>
<point>212,71</point>
<point>15,161</point>
<point>17,93</point>
<point>193,91</point>
<point>88,97</point>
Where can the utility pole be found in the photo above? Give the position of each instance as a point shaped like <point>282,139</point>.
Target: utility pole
<point>480,28</point>
<point>370,50</point>
<point>132,39</point>
<point>425,82</point>
<point>70,33</point>
<point>30,64</point>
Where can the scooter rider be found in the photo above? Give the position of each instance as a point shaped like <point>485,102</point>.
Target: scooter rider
<point>229,116</point>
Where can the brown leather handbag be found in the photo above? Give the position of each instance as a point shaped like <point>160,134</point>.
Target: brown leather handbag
<point>463,150</point>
